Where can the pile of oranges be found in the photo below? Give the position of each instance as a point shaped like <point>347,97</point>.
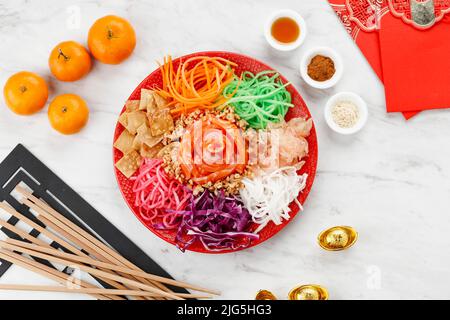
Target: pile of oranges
<point>111,40</point>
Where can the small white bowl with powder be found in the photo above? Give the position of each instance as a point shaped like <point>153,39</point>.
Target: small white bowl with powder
<point>346,113</point>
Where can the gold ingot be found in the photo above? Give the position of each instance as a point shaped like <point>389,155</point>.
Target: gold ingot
<point>265,295</point>
<point>337,238</point>
<point>308,292</point>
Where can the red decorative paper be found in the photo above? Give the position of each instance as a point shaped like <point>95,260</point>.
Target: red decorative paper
<point>367,13</point>
<point>402,9</point>
<point>415,64</point>
<point>361,21</point>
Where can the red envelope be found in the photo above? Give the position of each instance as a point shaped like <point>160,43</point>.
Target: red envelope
<point>359,26</point>
<point>415,62</point>
<point>359,17</point>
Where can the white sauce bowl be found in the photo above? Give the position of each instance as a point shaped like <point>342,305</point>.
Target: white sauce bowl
<point>347,97</point>
<point>286,13</point>
<point>326,52</point>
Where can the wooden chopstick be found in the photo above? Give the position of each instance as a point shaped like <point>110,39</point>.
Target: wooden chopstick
<point>21,233</point>
<point>12,247</point>
<point>75,241</point>
<point>48,234</point>
<point>52,236</point>
<point>72,236</point>
<point>92,271</point>
<point>104,265</point>
<point>96,259</point>
<point>24,235</point>
<point>47,272</point>
<point>51,214</point>
<point>19,287</point>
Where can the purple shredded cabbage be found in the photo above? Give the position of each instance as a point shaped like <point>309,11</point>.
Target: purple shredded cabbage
<point>218,222</point>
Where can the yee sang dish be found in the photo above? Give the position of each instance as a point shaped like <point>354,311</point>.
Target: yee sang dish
<point>210,154</point>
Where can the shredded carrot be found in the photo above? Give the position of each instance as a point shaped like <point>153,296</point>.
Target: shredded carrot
<point>197,83</point>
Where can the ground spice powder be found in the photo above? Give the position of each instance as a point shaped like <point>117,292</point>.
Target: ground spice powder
<point>321,68</point>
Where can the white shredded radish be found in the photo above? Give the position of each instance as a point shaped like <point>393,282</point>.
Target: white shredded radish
<point>268,196</point>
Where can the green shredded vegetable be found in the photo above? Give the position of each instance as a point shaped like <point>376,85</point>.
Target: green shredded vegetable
<point>259,99</point>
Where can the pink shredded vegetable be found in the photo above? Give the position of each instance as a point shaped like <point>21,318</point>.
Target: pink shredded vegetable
<point>159,196</point>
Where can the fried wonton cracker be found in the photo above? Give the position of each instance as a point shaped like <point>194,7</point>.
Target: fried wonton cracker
<point>124,142</point>
<point>151,109</point>
<point>147,100</point>
<point>161,103</point>
<point>135,120</point>
<point>132,105</point>
<point>129,163</point>
<point>123,119</point>
<point>161,122</point>
<point>152,152</point>
<point>144,135</point>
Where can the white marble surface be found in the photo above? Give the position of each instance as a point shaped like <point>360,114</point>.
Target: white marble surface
<point>391,181</point>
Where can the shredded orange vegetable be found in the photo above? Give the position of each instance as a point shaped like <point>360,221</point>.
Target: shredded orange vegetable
<point>197,83</point>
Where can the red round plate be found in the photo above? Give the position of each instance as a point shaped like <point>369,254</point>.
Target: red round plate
<point>244,63</point>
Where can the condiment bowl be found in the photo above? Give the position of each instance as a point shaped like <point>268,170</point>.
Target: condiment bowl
<point>326,52</point>
<point>286,13</point>
<point>347,97</point>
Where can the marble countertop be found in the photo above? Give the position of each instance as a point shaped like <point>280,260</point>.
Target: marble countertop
<point>390,182</point>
